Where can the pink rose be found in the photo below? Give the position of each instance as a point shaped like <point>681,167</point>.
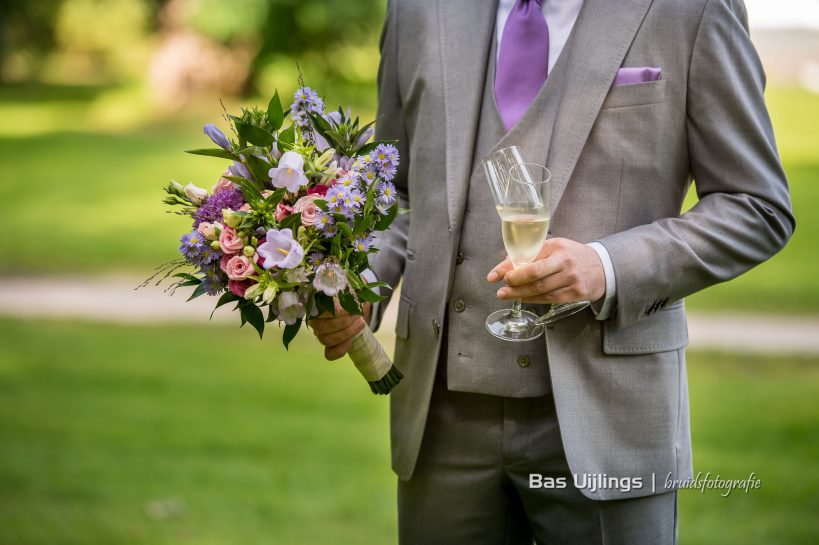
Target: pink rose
<point>239,267</point>
<point>239,287</point>
<point>307,207</point>
<point>209,230</point>
<point>230,241</point>
<point>223,183</point>
<point>282,211</point>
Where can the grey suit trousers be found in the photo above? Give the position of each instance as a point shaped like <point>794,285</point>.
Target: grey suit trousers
<point>471,484</point>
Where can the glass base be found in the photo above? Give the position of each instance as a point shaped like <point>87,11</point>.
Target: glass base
<point>558,312</point>
<point>504,325</point>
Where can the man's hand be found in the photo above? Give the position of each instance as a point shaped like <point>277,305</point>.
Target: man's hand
<point>564,271</point>
<point>336,332</point>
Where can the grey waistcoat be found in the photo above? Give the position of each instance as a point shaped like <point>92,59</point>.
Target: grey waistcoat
<point>476,361</point>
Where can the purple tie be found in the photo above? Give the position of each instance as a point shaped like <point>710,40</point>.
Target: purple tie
<point>523,61</point>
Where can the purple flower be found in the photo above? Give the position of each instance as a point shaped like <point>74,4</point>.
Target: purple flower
<point>290,172</point>
<point>315,258</point>
<point>369,173</point>
<point>363,243</point>
<point>384,154</point>
<point>387,191</point>
<point>192,244</point>
<point>289,307</point>
<point>335,197</point>
<point>217,136</point>
<point>358,199</point>
<point>211,209</point>
<point>346,163</point>
<point>365,136</point>
<point>330,278</point>
<point>305,100</point>
<point>281,250</point>
<point>214,280</point>
<point>324,220</point>
<point>240,170</point>
<point>348,180</point>
<point>388,172</point>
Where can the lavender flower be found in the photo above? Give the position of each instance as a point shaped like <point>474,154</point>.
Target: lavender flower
<point>388,172</point>
<point>369,173</point>
<point>305,100</point>
<point>205,256</point>
<point>214,279</point>
<point>211,209</point>
<point>363,243</point>
<point>348,180</point>
<point>192,244</point>
<point>387,191</point>
<point>315,258</point>
<point>290,172</point>
<point>365,136</point>
<point>358,198</point>
<point>335,197</point>
<point>217,136</point>
<point>281,250</point>
<point>330,278</point>
<point>385,154</point>
<point>240,170</point>
<point>324,221</point>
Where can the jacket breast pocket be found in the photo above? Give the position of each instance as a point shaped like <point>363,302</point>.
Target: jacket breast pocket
<point>637,94</point>
<point>403,318</point>
<point>663,331</point>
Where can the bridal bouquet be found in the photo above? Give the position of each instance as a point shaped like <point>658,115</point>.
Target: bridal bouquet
<point>287,228</point>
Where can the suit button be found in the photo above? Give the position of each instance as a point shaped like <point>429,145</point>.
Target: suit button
<point>436,327</point>
<point>460,306</point>
<point>459,258</point>
<point>523,360</point>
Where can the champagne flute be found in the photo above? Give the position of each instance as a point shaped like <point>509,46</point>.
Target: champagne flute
<point>524,215</point>
<point>531,173</point>
<point>496,167</point>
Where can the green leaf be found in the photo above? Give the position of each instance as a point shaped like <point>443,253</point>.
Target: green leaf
<point>200,290</point>
<point>387,219</point>
<point>259,168</point>
<point>271,315</point>
<point>253,134</point>
<point>253,315</point>
<point>321,204</point>
<point>344,227</point>
<point>288,136</point>
<point>290,333</point>
<point>369,295</point>
<point>276,197</point>
<point>335,247</point>
<point>372,285</point>
<point>250,191</point>
<point>275,113</point>
<point>291,222</point>
<point>348,302</point>
<point>214,152</point>
<point>325,303</point>
<point>226,298</point>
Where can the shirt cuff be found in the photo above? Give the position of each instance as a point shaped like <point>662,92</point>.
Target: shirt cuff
<point>369,276</point>
<point>604,308</point>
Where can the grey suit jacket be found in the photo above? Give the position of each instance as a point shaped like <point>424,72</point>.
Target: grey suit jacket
<point>622,160</point>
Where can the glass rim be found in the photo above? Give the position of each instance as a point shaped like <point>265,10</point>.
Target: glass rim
<point>528,165</point>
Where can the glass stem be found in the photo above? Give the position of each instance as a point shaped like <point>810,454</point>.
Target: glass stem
<point>515,308</point>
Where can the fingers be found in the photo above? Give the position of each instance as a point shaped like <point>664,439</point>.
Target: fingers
<point>541,286</point>
<point>533,272</point>
<point>327,324</point>
<point>333,353</point>
<point>499,271</point>
<point>341,336</point>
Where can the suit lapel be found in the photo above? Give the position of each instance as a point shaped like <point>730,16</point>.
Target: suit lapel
<point>602,35</point>
<point>465,35</point>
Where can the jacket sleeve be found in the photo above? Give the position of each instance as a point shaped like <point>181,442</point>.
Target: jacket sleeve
<point>388,262</point>
<point>743,216</point>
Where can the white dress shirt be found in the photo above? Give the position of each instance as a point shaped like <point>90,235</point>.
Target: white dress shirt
<point>560,17</point>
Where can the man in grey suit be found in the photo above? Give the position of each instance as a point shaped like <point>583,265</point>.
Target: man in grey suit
<point>570,438</point>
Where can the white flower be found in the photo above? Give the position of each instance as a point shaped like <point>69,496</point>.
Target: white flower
<point>197,195</point>
<point>330,278</point>
<point>290,307</point>
<point>290,172</point>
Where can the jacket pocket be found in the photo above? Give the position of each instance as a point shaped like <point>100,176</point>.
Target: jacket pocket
<point>663,331</point>
<point>402,320</point>
<point>637,94</point>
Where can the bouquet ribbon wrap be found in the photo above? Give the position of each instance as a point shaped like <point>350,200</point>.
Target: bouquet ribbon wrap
<point>373,363</point>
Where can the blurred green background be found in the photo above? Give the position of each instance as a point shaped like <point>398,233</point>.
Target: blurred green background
<point>114,433</point>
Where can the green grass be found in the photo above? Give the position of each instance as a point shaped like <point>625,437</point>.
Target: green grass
<point>98,421</point>
<point>80,194</point>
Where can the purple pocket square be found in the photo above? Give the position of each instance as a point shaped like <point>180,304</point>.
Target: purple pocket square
<point>630,76</point>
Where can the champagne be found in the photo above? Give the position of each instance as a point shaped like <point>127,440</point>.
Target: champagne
<point>523,234</point>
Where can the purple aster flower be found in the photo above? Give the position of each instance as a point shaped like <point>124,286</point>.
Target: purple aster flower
<point>329,231</point>
<point>382,153</point>
<point>387,191</point>
<point>324,220</point>
<point>281,250</point>
<point>335,197</point>
<point>214,279</point>
<point>330,278</point>
<point>387,172</point>
<point>369,174</point>
<point>192,244</point>
<point>305,100</point>
<point>211,209</point>
<point>358,199</point>
<point>363,243</point>
<point>348,180</point>
<point>289,307</point>
<point>205,256</point>
<point>217,136</point>
<point>315,258</point>
<point>290,172</point>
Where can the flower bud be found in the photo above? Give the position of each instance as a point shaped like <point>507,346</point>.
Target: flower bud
<point>230,218</point>
<point>269,294</point>
<point>248,251</point>
<point>215,245</point>
<point>253,292</point>
<point>324,159</point>
<point>197,195</point>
